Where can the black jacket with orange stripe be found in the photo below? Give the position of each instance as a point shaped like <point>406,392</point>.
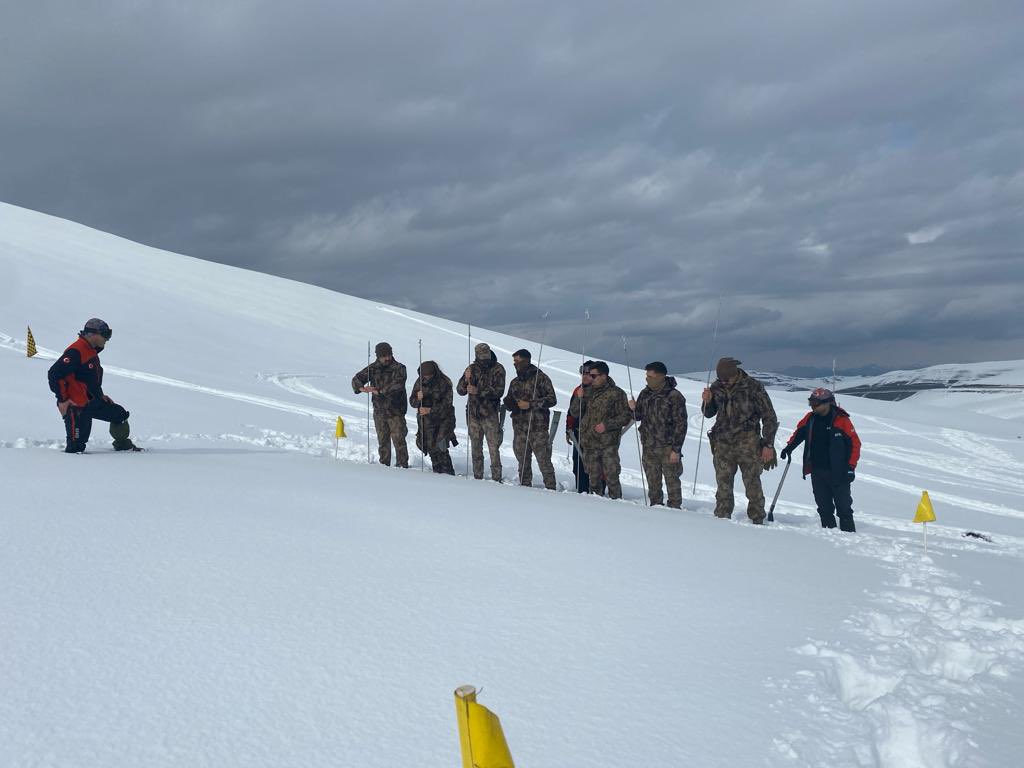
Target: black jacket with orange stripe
<point>843,447</point>
<point>77,375</point>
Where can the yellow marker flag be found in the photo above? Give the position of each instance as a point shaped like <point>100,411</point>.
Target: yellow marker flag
<point>30,344</point>
<point>339,428</point>
<point>480,735</point>
<point>925,513</point>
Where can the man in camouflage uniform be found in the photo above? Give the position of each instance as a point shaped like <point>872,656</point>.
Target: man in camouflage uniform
<point>743,436</point>
<point>529,399</point>
<point>385,381</point>
<point>660,409</point>
<point>435,408</point>
<point>606,415</point>
<point>484,383</point>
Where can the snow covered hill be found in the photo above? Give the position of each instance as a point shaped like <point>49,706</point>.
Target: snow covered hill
<point>236,597</point>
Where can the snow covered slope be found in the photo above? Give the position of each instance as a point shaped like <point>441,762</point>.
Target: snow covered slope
<point>237,597</point>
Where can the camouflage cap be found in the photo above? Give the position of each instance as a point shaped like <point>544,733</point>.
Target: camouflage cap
<point>727,368</point>
<point>383,349</point>
<point>428,369</point>
<point>482,351</point>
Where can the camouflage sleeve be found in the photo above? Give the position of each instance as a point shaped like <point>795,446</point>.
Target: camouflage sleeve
<point>638,412</point>
<point>495,384</point>
<point>412,397</point>
<point>769,421</point>
<point>619,415</point>
<point>461,386</point>
<point>710,408</point>
<point>360,379</point>
<point>679,421</point>
<point>446,396</point>
<point>545,395</point>
<point>510,399</point>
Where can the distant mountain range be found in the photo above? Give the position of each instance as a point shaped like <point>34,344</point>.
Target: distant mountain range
<point>1004,377</point>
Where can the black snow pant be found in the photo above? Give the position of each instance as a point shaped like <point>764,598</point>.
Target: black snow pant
<point>579,470</point>
<point>833,500</point>
<point>78,423</point>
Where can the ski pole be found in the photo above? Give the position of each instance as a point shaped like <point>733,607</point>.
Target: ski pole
<point>419,418</point>
<point>583,360</point>
<point>700,434</point>
<point>368,396</point>
<point>639,454</point>
<point>469,361</point>
<point>527,454</point>
<point>771,510</point>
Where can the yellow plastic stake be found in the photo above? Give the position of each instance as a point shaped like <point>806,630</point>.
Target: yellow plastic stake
<point>30,344</point>
<point>339,428</point>
<point>480,735</point>
<point>925,514</point>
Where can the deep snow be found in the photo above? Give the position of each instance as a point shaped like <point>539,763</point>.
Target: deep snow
<point>237,597</point>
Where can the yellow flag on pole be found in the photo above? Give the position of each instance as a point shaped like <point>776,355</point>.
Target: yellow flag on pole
<point>925,513</point>
<point>339,428</point>
<point>30,344</point>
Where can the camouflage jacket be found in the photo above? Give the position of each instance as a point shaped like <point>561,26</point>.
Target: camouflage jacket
<point>605,404</point>
<point>577,405</point>
<point>390,383</point>
<point>662,417</point>
<point>439,424</point>
<point>742,407</point>
<point>489,380</point>
<point>534,386</point>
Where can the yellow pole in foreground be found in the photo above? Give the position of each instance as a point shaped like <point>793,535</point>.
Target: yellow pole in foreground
<point>464,696</point>
<point>480,736</point>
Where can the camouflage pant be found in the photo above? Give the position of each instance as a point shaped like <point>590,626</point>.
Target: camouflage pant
<point>539,447</point>
<point>740,451</point>
<point>603,463</point>
<point>478,430</point>
<point>441,462</point>
<point>391,429</point>
<point>656,467</point>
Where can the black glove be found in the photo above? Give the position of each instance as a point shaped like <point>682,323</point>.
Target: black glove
<point>850,475</point>
<point>784,454</point>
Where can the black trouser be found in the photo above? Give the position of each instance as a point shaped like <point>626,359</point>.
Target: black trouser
<point>78,421</point>
<point>582,478</point>
<point>832,500</point>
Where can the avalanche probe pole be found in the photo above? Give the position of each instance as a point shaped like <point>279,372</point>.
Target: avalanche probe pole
<point>527,454</point>
<point>469,361</point>
<point>368,396</point>
<point>639,455</point>
<point>771,511</point>
<point>419,419</point>
<point>700,435</point>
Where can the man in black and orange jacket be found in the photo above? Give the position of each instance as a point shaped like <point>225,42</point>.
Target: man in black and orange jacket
<point>831,452</point>
<point>77,381</point>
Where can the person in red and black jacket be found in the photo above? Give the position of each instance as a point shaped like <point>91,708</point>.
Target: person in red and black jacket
<point>831,452</point>
<point>77,381</point>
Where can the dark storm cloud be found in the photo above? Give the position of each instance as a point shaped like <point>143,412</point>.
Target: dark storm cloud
<point>847,177</point>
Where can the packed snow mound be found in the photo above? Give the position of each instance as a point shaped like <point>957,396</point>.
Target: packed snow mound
<point>235,596</point>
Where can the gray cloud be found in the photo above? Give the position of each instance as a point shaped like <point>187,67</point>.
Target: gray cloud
<point>850,180</point>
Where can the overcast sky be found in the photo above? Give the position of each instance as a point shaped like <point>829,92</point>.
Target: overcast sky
<point>848,176</point>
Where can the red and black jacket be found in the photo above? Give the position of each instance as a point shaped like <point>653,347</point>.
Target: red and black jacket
<point>843,446</point>
<point>77,375</point>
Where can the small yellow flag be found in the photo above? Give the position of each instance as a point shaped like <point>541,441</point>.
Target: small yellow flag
<point>30,344</point>
<point>925,513</point>
<point>339,428</point>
